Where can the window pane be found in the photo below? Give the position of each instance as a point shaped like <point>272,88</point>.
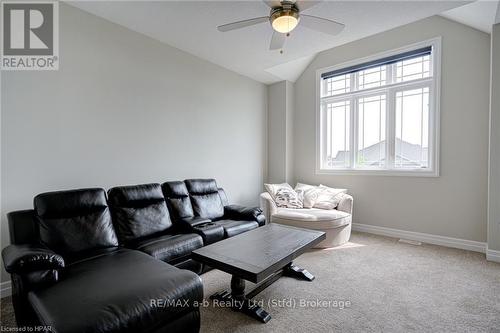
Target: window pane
<point>412,69</point>
<point>337,135</point>
<point>412,128</point>
<point>371,131</point>
<point>337,85</point>
<point>372,77</point>
<point>358,110</point>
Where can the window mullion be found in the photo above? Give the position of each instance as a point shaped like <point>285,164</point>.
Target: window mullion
<point>390,147</point>
<point>324,135</point>
<point>354,132</point>
<point>422,126</point>
<point>389,74</point>
<point>432,125</point>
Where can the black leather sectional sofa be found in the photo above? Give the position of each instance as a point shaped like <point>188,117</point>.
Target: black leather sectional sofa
<point>90,261</point>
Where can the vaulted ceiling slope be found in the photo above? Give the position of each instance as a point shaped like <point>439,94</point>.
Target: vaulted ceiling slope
<point>480,14</point>
<point>191,27</point>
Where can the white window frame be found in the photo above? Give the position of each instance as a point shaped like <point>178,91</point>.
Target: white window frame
<point>434,111</point>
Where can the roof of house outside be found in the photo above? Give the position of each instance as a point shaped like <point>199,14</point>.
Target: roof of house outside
<point>409,152</point>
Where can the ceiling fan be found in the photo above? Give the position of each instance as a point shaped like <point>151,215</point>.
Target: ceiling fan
<point>285,15</point>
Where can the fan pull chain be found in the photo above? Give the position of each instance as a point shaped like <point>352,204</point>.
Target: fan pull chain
<point>288,35</point>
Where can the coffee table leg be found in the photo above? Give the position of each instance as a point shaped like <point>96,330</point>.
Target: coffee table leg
<point>237,287</point>
<point>297,272</point>
<point>241,303</point>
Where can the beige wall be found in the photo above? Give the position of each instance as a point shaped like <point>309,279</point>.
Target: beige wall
<point>280,132</point>
<point>494,181</point>
<point>290,110</point>
<point>125,109</point>
<point>452,205</point>
<point>276,127</point>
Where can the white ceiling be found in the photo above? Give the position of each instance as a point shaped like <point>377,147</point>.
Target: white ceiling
<point>480,14</point>
<point>191,27</point>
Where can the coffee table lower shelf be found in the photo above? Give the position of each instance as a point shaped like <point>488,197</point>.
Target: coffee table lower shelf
<point>242,302</point>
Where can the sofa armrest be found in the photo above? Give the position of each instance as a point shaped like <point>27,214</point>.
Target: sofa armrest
<point>237,212</point>
<point>27,258</point>
<point>211,232</point>
<point>345,204</point>
<point>190,222</point>
<point>268,206</point>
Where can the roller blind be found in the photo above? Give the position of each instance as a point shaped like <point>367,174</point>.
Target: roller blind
<point>379,62</point>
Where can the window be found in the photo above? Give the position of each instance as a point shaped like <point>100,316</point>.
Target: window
<point>379,115</point>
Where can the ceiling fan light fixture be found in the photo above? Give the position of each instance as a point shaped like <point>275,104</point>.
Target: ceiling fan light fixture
<point>283,20</point>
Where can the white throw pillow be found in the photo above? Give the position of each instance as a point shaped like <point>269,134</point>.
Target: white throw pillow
<point>273,188</point>
<point>284,196</point>
<point>310,193</point>
<point>329,197</point>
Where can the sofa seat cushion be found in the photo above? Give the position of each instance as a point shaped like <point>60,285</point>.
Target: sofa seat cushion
<point>190,264</point>
<point>170,248</point>
<point>311,218</point>
<point>233,227</point>
<point>114,292</point>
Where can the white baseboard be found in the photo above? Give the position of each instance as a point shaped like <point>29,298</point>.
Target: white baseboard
<point>492,255</point>
<point>458,243</point>
<point>5,289</point>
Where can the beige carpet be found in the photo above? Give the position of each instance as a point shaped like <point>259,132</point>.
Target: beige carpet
<point>391,287</point>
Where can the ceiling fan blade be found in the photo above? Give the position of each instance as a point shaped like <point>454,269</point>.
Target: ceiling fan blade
<point>242,24</point>
<point>306,4</point>
<point>321,24</point>
<point>277,41</point>
<point>272,3</point>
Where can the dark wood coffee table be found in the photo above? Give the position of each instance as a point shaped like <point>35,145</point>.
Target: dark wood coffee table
<point>261,256</point>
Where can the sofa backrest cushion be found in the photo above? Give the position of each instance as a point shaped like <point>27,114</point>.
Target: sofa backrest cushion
<point>205,198</point>
<point>75,220</point>
<point>223,196</point>
<point>23,227</point>
<point>178,200</point>
<point>138,211</point>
